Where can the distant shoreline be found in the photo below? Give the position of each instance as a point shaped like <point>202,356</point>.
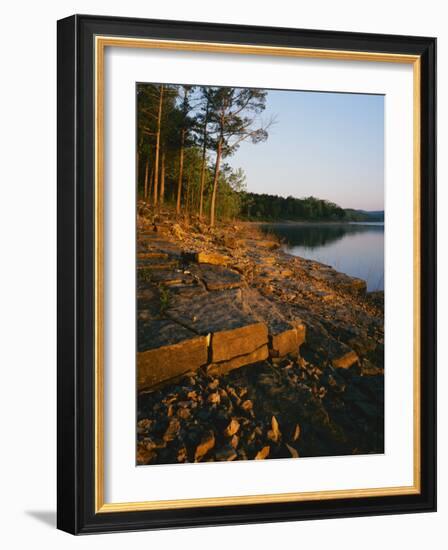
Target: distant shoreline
<point>309,222</point>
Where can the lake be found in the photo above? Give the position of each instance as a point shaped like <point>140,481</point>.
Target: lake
<point>356,249</point>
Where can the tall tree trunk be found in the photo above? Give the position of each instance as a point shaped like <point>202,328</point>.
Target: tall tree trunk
<point>181,170</point>
<point>204,162</point>
<point>187,206</point>
<point>215,183</point>
<point>145,190</point>
<point>156,161</point>
<point>151,179</point>
<point>162,180</point>
<point>201,192</point>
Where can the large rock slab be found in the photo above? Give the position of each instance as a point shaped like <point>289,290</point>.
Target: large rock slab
<point>213,258</point>
<point>170,277</point>
<point>300,327</point>
<point>285,335</point>
<point>152,255</point>
<point>336,279</point>
<point>233,331</point>
<point>218,369</point>
<point>155,244</point>
<point>167,350</point>
<point>326,347</point>
<point>284,342</point>
<point>210,312</point>
<point>156,263</point>
<point>229,344</point>
<point>148,301</point>
<point>216,277</point>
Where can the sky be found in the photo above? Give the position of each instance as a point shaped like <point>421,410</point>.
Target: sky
<point>329,145</point>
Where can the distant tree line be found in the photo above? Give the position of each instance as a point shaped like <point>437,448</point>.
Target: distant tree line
<point>184,135</point>
<point>272,207</point>
<point>264,207</point>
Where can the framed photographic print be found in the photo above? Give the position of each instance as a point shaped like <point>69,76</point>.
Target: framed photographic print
<point>246,274</point>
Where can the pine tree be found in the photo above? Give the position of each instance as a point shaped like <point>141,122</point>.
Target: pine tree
<point>233,115</point>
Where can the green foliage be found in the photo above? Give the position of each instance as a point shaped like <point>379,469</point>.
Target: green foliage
<point>231,191</point>
<point>145,275</point>
<point>272,207</point>
<point>363,216</point>
<point>194,119</point>
<point>164,300</point>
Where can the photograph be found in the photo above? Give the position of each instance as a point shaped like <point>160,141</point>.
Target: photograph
<point>246,273</point>
<point>259,273</point>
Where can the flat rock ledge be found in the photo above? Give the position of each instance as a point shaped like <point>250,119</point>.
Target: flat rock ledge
<point>195,312</point>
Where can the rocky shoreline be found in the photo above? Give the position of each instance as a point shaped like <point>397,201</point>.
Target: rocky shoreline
<point>246,352</point>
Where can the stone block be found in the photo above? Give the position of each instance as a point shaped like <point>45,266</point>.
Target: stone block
<point>228,344</point>
<point>217,369</point>
<point>167,350</point>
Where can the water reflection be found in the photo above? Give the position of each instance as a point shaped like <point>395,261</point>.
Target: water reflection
<point>353,248</point>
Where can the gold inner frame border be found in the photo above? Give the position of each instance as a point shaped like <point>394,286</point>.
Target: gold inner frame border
<point>101,42</point>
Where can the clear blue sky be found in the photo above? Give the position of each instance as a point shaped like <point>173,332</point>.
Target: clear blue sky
<point>329,145</point>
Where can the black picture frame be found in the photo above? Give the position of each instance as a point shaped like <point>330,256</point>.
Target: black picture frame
<point>76,301</point>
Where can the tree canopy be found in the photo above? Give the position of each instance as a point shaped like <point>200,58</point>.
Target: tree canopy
<point>185,134</point>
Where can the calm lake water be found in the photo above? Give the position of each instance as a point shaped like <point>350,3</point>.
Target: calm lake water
<point>356,249</point>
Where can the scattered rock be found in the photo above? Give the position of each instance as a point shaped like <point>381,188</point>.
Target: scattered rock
<point>232,428</point>
<point>226,453</point>
<point>214,398</point>
<point>176,230</point>
<point>264,453</point>
<point>144,456</point>
<point>172,430</point>
<point>293,451</point>
<point>346,361</point>
<point>296,433</point>
<point>274,433</point>
<point>182,455</point>
<point>234,441</point>
<point>207,443</point>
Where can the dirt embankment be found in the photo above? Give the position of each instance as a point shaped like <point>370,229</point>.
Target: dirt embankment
<point>247,352</point>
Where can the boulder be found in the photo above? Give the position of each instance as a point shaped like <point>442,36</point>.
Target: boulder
<point>167,350</point>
